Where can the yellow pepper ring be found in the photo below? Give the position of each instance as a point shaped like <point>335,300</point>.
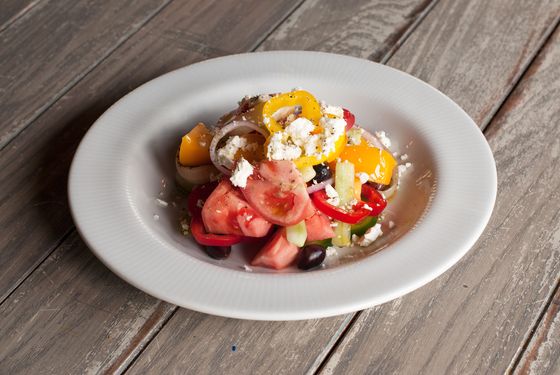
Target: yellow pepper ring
<point>310,108</point>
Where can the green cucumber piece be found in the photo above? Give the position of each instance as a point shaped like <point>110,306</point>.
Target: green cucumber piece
<point>344,185</point>
<point>297,233</point>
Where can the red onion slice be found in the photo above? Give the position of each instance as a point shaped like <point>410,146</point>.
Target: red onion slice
<point>225,130</point>
<point>320,186</point>
<point>372,139</point>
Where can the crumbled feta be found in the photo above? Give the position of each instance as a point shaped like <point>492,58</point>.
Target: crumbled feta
<point>382,136</point>
<point>312,145</point>
<point>161,202</point>
<point>242,171</point>
<point>334,224</point>
<point>156,217</point>
<point>333,128</point>
<point>404,157</point>
<point>247,268</point>
<point>404,167</point>
<point>367,207</point>
<point>391,224</point>
<point>299,130</point>
<point>279,149</point>
<point>364,177</point>
<point>226,154</point>
<point>348,206</point>
<point>370,235</point>
<point>200,203</point>
<point>334,199</point>
<point>331,251</point>
<point>332,110</point>
<point>354,135</point>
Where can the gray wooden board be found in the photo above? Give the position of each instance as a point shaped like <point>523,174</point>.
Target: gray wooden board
<point>11,10</point>
<point>74,316</point>
<point>475,317</point>
<point>52,46</point>
<point>542,354</point>
<point>54,136</point>
<point>361,28</point>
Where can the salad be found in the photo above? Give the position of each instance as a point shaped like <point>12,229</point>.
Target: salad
<point>290,169</point>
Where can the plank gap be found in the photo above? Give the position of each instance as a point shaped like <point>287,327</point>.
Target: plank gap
<point>18,15</point>
<point>516,360</point>
<point>547,35</point>
<point>4,142</point>
<point>38,264</point>
<point>422,13</point>
<point>340,338</point>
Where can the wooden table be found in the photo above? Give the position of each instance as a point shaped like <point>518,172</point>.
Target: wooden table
<point>62,63</point>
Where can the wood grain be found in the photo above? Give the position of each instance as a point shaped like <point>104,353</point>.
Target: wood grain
<point>475,317</point>
<point>361,28</point>
<point>74,316</point>
<point>542,354</point>
<point>228,346</point>
<point>51,48</point>
<point>11,10</point>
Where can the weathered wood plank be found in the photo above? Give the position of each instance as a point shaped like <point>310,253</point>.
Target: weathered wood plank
<point>542,356</point>
<point>38,183</point>
<point>476,317</point>
<point>33,168</point>
<point>74,316</point>
<point>50,48</point>
<point>361,28</point>
<point>194,343</point>
<point>475,51</point>
<point>11,10</point>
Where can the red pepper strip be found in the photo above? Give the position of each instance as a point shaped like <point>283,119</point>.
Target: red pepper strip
<point>201,192</point>
<point>374,199</point>
<point>349,118</point>
<point>357,213</point>
<point>202,237</point>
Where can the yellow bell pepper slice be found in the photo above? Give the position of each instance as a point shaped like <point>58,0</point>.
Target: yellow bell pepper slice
<point>310,108</point>
<point>194,149</point>
<point>377,163</point>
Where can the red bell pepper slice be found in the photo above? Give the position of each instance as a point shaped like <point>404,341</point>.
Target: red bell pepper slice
<point>349,118</point>
<point>209,239</point>
<point>374,199</point>
<point>357,213</point>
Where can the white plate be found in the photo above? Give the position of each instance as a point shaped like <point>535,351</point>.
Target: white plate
<point>116,175</point>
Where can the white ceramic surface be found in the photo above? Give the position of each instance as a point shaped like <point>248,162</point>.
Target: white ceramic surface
<point>126,161</point>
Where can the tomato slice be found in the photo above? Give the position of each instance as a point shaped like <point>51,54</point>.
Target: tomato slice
<point>349,118</point>
<point>357,213</point>
<point>210,239</point>
<point>277,191</point>
<point>374,199</point>
<point>226,211</point>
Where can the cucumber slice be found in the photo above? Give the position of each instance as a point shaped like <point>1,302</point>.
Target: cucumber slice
<point>360,228</point>
<point>297,234</point>
<point>344,185</point>
<point>308,173</point>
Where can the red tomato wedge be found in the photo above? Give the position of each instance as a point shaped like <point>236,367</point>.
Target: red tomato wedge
<point>277,191</point>
<point>226,212</point>
<point>318,227</point>
<point>278,253</point>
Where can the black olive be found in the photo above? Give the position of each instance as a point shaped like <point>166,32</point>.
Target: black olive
<point>322,172</point>
<point>218,252</point>
<point>311,256</point>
